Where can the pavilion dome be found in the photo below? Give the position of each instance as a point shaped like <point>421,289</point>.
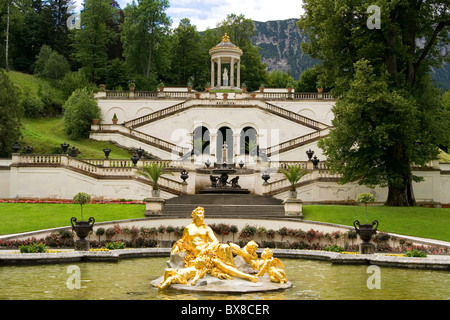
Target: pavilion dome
<point>225,44</point>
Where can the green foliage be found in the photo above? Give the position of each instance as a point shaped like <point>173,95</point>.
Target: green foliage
<point>308,80</point>
<point>11,112</point>
<point>365,198</point>
<point>415,253</point>
<point>153,171</point>
<point>32,105</point>
<point>50,64</point>
<point>388,117</point>
<point>81,198</point>
<point>116,245</point>
<point>91,40</point>
<point>33,248</point>
<point>279,79</point>
<point>186,54</point>
<point>73,81</point>
<point>117,75</point>
<point>143,36</point>
<point>334,248</point>
<point>79,110</point>
<point>294,174</point>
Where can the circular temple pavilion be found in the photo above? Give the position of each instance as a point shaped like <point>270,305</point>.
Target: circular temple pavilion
<point>223,54</point>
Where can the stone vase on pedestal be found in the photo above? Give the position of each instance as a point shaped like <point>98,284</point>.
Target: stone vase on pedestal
<point>82,229</point>
<point>366,231</point>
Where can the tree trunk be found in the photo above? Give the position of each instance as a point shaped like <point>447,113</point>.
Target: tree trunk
<point>400,191</point>
<point>400,196</point>
<point>7,40</point>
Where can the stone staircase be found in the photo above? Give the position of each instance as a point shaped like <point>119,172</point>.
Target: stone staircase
<point>225,205</point>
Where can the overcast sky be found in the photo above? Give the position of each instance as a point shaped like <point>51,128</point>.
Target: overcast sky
<point>207,13</point>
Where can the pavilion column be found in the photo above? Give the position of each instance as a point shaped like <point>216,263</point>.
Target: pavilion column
<point>232,73</point>
<point>238,83</point>
<point>219,72</point>
<point>212,72</point>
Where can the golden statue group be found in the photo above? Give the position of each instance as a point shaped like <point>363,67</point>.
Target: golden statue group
<point>205,255</point>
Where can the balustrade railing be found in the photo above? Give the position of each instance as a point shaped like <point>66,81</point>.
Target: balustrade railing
<point>100,167</point>
<point>271,95</point>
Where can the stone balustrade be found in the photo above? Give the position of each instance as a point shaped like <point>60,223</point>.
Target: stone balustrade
<point>270,94</point>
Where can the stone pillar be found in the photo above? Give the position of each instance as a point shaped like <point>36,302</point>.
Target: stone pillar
<point>212,144</point>
<point>219,72</point>
<point>232,73</point>
<point>236,145</point>
<point>212,72</point>
<point>238,82</point>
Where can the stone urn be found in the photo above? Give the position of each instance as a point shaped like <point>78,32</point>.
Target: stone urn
<point>82,229</point>
<point>365,232</point>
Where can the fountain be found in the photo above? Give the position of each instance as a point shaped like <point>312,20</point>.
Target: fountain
<point>200,263</point>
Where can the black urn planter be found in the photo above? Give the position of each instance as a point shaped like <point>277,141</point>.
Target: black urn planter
<point>365,232</point>
<point>82,229</point>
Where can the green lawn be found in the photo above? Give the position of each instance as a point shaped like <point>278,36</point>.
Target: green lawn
<point>421,222</point>
<point>23,217</point>
<point>415,221</point>
<point>46,135</point>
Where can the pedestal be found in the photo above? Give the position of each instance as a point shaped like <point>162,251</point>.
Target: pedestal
<point>293,207</point>
<point>366,248</point>
<point>81,245</point>
<point>154,206</point>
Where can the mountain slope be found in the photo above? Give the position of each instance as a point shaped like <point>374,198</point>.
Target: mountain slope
<point>280,41</point>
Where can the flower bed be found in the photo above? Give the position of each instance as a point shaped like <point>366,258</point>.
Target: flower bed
<point>119,201</point>
<point>284,238</point>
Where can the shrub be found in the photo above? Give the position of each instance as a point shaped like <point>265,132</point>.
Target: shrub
<point>334,248</point>
<point>73,81</point>
<point>99,232</point>
<point>415,253</point>
<point>79,110</point>
<point>115,245</point>
<point>110,233</point>
<point>247,232</point>
<point>33,248</point>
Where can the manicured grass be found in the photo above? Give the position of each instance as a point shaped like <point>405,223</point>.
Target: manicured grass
<point>421,222</point>
<point>415,221</point>
<point>23,217</point>
<point>46,135</point>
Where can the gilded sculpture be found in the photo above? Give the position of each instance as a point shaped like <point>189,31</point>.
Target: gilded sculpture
<point>204,254</point>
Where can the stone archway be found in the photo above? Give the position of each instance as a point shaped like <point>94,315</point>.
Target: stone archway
<point>248,141</point>
<point>201,140</point>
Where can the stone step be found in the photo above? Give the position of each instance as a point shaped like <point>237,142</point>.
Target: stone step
<point>235,205</point>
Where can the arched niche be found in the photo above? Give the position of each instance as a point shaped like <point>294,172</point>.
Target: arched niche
<point>248,141</point>
<point>201,140</point>
<point>224,135</point>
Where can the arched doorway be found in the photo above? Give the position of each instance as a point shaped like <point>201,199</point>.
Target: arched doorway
<point>201,140</point>
<point>224,135</point>
<point>248,141</point>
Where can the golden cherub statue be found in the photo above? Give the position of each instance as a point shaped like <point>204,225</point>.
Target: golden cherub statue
<point>196,271</point>
<point>269,266</point>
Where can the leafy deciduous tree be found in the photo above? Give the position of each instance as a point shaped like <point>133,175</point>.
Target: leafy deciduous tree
<point>388,116</point>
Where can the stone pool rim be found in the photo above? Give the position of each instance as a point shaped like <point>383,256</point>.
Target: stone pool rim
<point>431,262</point>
